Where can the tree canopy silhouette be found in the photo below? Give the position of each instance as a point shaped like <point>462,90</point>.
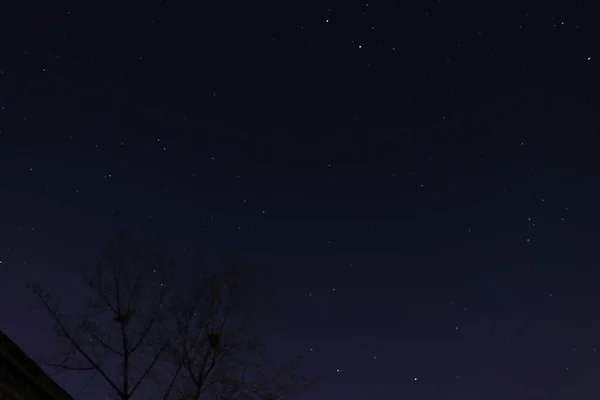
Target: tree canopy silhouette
<point>148,334</point>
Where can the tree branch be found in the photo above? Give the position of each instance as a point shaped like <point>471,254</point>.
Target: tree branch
<point>93,365</point>
<point>147,370</point>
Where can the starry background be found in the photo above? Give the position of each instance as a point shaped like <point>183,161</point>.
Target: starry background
<point>421,177</point>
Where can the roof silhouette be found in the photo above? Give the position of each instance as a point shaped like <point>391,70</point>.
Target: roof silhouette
<point>17,361</point>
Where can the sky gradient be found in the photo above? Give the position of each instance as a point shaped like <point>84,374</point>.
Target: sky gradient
<point>421,178</point>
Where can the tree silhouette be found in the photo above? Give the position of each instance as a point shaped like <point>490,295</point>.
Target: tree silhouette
<point>221,349</point>
<point>203,337</point>
<point>120,333</point>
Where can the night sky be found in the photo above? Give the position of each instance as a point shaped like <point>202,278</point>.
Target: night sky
<point>422,180</point>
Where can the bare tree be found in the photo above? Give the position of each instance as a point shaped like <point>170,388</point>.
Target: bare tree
<point>120,334</point>
<point>222,327</point>
<point>203,337</point>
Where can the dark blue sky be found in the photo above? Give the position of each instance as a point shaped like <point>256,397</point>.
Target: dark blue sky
<point>435,163</point>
